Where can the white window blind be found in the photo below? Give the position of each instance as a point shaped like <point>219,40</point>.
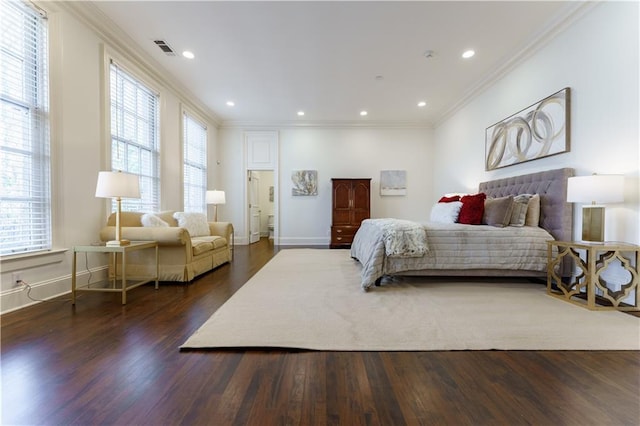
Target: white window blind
<point>25,194</point>
<point>194,141</point>
<point>134,137</point>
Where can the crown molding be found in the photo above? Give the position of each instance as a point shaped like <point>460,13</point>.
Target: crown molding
<point>571,13</point>
<point>117,39</point>
<point>264,125</point>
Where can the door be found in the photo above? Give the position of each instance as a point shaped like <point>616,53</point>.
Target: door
<point>254,207</point>
<point>341,202</point>
<point>360,201</point>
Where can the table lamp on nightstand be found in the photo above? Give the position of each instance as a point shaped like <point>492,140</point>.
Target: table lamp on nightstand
<point>597,190</point>
<point>118,185</point>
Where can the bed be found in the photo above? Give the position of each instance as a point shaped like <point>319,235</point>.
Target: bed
<point>454,249</point>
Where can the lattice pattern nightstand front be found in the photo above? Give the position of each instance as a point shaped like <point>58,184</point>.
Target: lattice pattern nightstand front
<point>592,259</point>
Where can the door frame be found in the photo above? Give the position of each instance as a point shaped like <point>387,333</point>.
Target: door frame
<point>270,163</point>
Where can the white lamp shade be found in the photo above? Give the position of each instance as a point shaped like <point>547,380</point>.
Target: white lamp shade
<point>596,189</point>
<point>117,184</point>
<point>215,197</point>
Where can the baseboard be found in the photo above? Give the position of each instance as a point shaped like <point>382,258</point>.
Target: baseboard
<point>294,241</point>
<point>19,297</point>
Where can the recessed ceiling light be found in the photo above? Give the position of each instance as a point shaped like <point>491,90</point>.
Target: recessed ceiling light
<point>363,113</point>
<point>300,113</point>
<point>422,103</point>
<point>231,103</point>
<point>188,54</point>
<point>468,54</point>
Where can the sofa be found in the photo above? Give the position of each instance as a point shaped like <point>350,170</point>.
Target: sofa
<point>183,253</point>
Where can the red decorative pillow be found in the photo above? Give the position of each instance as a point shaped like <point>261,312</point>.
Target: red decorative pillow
<point>472,209</point>
<point>449,199</point>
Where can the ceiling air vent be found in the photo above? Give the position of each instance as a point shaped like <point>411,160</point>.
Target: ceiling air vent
<point>164,46</point>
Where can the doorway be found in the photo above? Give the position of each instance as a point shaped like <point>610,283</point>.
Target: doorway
<point>261,194</point>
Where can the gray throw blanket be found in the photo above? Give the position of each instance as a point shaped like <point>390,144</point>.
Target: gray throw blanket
<point>402,238</point>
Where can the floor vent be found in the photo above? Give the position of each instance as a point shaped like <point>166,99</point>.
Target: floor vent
<point>165,47</point>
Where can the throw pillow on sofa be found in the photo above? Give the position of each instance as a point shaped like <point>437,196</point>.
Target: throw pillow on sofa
<point>150,220</point>
<point>195,223</point>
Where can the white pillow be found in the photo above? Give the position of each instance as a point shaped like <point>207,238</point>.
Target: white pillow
<point>446,212</point>
<point>195,223</point>
<point>151,220</point>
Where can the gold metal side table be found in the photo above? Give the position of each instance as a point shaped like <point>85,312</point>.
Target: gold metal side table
<point>114,252</point>
<point>592,259</point>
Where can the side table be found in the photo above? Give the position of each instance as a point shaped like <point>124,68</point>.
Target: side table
<point>114,252</point>
<point>593,259</point>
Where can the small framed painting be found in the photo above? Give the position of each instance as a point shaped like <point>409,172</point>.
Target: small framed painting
<point>305,182</point>
<point>538,131</point>
<point>393,182</point>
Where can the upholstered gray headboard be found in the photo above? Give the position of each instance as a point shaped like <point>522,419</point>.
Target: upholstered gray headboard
<point>556,215</point>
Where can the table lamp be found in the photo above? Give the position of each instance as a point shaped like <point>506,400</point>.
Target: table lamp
<point>215,197</point>
<point>597,190</point>
<point>118,185</point>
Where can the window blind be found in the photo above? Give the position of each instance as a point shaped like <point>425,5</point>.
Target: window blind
<point>25,194</point>
<point>134,137</point>
<point>194,141</point>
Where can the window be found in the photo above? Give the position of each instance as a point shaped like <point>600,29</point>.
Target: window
<point>134,137</point>
<point>25,193</point>
<point>194,141</point>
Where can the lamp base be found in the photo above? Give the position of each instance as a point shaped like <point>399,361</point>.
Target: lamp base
<point>593,223</point>
<point>117,243</point>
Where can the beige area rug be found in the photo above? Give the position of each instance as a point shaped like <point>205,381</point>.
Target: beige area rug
<point>311,299</point>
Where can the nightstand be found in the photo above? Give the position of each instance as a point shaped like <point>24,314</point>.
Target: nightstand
<point>592,259</point>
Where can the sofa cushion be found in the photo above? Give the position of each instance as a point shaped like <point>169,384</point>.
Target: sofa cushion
<point>201,246</point>
<point>204,244</point>
<point>126,219</point>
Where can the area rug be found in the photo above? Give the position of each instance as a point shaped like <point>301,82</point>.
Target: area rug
<point>312,299</point>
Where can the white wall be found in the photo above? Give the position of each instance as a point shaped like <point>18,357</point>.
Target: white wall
<point>333,152</point>
<point>597,58</point>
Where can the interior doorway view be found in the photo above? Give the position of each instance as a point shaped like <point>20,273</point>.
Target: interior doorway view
<point>260,191</point>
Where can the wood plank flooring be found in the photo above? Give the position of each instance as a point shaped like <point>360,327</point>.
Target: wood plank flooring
<point>103,363</point>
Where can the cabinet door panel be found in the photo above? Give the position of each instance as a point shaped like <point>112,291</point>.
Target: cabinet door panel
<point>361,200</point>
<point>341,203</point>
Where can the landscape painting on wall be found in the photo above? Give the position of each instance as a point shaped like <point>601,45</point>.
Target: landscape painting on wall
<point>537,131</point>
<point>393,182</point>
<point>305,182</point>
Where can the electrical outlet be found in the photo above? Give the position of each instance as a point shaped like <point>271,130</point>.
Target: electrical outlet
<point>16,278</point>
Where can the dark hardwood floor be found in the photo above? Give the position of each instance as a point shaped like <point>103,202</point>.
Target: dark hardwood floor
<point>103,363</point>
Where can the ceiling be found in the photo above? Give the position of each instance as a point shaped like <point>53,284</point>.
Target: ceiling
<point>333,59</point>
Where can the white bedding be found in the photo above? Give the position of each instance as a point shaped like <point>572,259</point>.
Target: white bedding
<point>455,246</point>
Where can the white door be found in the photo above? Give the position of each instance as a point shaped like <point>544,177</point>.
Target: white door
<point>254,207</point>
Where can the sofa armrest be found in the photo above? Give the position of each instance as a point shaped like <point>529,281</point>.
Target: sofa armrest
<point>165,236</point>
<point>222,229</point>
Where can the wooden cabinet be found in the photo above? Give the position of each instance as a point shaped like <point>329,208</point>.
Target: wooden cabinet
<point>351,205</point>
